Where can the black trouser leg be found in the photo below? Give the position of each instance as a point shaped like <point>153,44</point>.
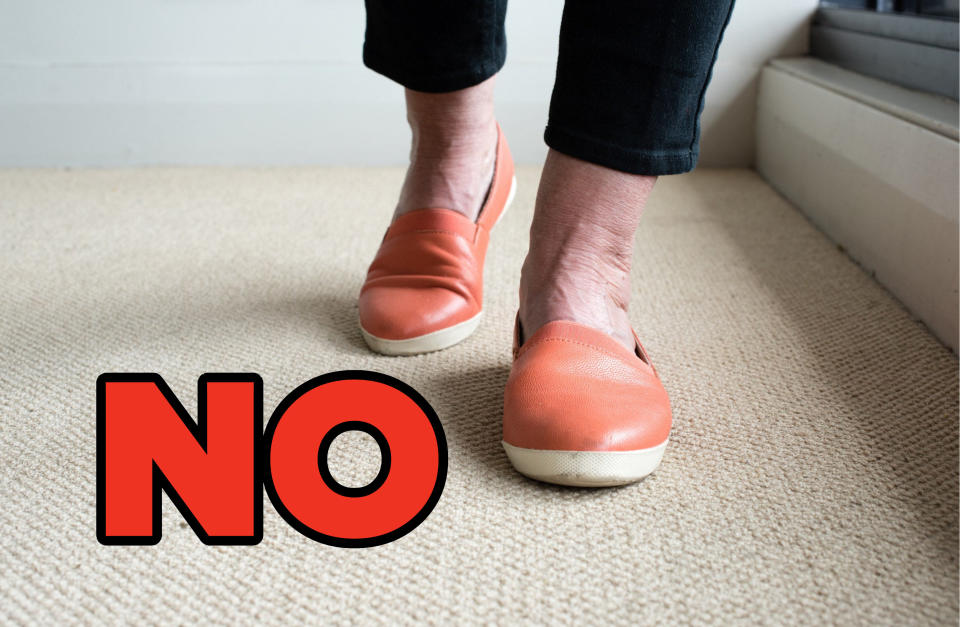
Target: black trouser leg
<point>435,45</point>
<point>630,81</point>
<point>631,74</point>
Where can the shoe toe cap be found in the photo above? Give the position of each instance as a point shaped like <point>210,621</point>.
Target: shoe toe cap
<point>398,313</point>
<point>569,397</point>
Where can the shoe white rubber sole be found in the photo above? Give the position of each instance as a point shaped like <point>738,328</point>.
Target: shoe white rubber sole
<point>593,469</point>
<point>436,340</point>
<point>509,201</point>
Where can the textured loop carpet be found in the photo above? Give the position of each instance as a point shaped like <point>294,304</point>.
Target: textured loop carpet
<point>811,478</point>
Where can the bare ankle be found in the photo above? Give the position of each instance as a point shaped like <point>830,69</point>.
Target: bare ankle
<point>453,150</point>
<point>581,247</point>
<point>586,290</point>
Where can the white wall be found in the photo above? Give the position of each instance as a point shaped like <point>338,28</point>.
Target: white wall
<point>131,82</point>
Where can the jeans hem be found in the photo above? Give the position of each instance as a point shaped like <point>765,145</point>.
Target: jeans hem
<point>648,163</point>
<point>437,82</point>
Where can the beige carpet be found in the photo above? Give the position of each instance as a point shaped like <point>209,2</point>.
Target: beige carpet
<point>811,478</point>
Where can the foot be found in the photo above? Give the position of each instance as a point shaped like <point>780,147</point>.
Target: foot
<point>453,154</point>
<point>580,409</point>
<point>583,405</point>
<point>424,289</point>
<point>581,247</point>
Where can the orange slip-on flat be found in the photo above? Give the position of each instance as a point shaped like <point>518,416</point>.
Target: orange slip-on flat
<point>424,289</point>
<point>581,409</point>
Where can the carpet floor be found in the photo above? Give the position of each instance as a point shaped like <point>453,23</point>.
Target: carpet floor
<point>811,475</point>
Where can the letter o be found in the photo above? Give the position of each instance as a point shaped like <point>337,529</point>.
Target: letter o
<point>413,458</point>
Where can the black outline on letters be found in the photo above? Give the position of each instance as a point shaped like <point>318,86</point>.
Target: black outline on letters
<point>324,465</point>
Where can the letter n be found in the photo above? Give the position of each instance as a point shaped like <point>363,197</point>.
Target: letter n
<point>211,469</point>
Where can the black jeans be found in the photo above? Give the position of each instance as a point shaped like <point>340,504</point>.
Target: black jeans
<point>631,74</point>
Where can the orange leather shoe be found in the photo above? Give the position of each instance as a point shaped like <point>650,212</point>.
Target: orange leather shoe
<point>424,289</point>
<point>580,409</point>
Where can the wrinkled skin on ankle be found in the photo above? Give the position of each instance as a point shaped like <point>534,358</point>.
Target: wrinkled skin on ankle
<point>453,151</point>
<point>581,246</point>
